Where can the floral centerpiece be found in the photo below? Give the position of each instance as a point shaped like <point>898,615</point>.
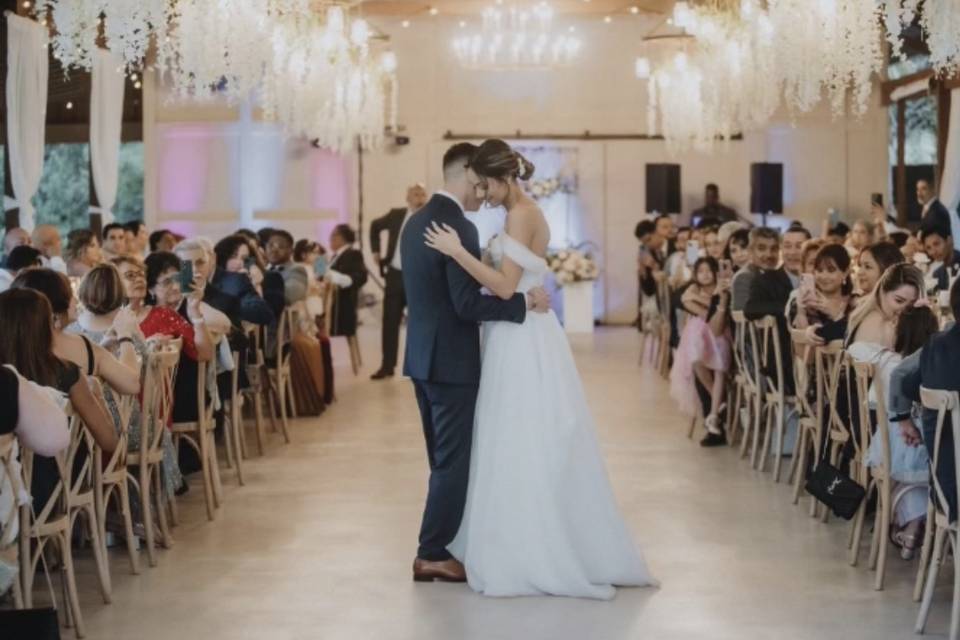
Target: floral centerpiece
<point>572,265</point>
<point>547,187</point>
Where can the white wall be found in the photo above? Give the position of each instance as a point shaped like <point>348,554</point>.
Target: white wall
<point>827,162</point>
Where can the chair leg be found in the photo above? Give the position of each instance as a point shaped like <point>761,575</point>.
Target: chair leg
<point>99,553</point>
<point>747,429</point>
<point>258,418</point>
<point>764,452</point>
<point>214,470</point>
<point>27,567</point>
<point>856,532</point>
<point>955,600</point>
<point>236,449</point>
<point>780,432</point>
<point>203,444</point>
<point>162,502</point>
<point>693,427</point>
<point>936,561</point>
<point>282,384</point>
<point>882,536</point>
<point>758,420</point>
<point>800,463</point>
<point>147,500</point>
<point>124,497</point>
<point>66,554</point>
<point>924,554</point>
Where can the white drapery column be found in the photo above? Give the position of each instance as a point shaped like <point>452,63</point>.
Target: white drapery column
<point>950,182</point>
<point>106,120</point>
<point>27,72</point>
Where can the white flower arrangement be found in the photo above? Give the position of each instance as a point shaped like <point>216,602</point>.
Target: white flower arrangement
<point>543,189</point>
<point>571,265</point>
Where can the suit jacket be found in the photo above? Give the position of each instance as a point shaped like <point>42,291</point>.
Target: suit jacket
<point>343,313</point>
<point>392,222</point>
<point>234,295</point>
<point>445,304</point>
<point>769,292</point>
<point>937,217</point>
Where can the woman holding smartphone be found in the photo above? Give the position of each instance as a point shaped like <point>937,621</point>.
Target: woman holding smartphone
<point>826,298</point>
<point>703,354</point>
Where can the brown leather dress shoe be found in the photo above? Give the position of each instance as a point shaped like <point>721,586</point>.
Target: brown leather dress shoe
<point>443,571</point>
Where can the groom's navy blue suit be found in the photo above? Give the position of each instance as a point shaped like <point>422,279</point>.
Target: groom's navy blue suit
<point>443,359</point>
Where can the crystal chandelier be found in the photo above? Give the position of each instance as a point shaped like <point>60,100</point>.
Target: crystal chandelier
<point>517,37</point>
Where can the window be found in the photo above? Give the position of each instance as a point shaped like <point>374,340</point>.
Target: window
<point>63,197</point>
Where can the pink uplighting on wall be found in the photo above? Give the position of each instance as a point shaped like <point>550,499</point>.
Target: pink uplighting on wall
<point>330,175</point>
<point>184,170</point>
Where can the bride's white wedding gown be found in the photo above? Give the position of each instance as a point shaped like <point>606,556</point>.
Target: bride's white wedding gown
<point>540,516</point>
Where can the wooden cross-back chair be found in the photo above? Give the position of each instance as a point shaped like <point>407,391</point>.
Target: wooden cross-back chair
<point>330,296</point>
<point>233,426</point>
<point>160,370</point>
<point>52,525</point>
<point>776,400</point>
<point>111,477</point>
<point>943,523</point>
<point>827,364</point>
<point>11,486</point>
<point>839,433</point>
<point>280,381</point>
<point>747,379</point>
<point>808,395</point>
<point>199,435</point>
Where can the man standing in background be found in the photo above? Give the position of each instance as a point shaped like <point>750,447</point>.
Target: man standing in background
<point>390,266</point>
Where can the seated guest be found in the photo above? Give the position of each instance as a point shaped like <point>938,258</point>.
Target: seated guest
<point>875,318</point>
<point>837,234</point>
<point>255,260</point>
<point>82,252</point>
<point>908,244</point>
<point>873,261</point>
<point>936,368</point>
<point>138,238</point>
<point>769,292</point>
<point>93,360</point>
<point>114,241</point>
<point>737,249</point>
<point>220,309</point>
<point>102,309</point>
<point>677,268</point>
<point>14,238</point>
<point>647,267</point>
<point>764,251</point>
<point>21,258</point>
<point>177,315</point>
<point>711,243</point>
<point>285,282</point>
<point>809,254</point>
<point>823,309</point>
<point>934,214</point>
<point>938,244</point>
<point>862,235</point>
<point>310,345</point>
<point>234,277</point>
<point>704,350</point>
<point>26,343</point>
<point>348,273</point>
<point>46,238</point>
<point>162,240</point>
<point>909,462</point>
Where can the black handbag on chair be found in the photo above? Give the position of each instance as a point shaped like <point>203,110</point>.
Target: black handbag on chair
<point>836,490</point>
<point>32,624</point>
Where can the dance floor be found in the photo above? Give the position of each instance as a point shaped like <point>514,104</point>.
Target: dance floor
<point>319,542</point>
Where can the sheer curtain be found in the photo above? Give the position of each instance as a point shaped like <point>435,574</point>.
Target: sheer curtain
<point>27,72</point>
<point>106,119</point>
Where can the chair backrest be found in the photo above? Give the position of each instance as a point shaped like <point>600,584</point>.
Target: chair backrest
<point>11,491</point>
<point>663,295</point>
<point>802,351</point>
<point>286,329</point>
<point>767,348</point>
<point>742,350</point>
<point>864,373</point>
<point>76,466</point>
<point>124,406</point>
<point>160,373</point>
<point>943,402</point>
<point>827,365</point>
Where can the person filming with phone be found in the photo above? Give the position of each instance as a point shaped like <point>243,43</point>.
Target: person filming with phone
<point>825,297</point>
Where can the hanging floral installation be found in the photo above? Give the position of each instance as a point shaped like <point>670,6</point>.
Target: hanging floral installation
<point>309,65</point>
<point>735,62</point>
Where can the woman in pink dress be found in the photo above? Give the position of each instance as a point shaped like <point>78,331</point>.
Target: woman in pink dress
<point>704,350</point>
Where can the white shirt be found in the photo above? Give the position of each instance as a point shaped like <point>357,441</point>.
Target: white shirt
<point>6,279</point>
<point>341,280</point>
<point>56,263</point>
<point>396,264</point>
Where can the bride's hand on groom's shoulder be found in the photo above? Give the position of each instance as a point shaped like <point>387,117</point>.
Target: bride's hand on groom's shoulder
<point>443,238</point>
<point>538,300</point>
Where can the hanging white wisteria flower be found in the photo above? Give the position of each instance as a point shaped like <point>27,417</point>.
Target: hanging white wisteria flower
<point>941,26</point>
<point>128,27</point>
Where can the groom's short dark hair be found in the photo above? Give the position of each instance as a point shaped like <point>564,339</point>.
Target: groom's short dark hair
<point>459,154</point>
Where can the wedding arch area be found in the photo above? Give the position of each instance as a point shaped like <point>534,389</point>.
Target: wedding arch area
<point>247,385</point>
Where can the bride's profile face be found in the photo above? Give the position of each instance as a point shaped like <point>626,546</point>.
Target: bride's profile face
<point>494,191</point>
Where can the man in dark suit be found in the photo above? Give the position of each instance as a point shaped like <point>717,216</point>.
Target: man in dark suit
<point>934,215</point>
<point>937,370</point>
<point>348,273</point>
<point>443,355</point>
<point>712,213</point>
<point>394,299</point>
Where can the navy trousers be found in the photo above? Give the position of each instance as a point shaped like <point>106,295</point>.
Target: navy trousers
<point>447,412</point>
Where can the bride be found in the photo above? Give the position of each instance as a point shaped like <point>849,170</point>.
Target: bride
<point>540,515</point>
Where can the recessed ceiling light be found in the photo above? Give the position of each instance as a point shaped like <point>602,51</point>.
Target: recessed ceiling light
<point>434,11</point>
<point>608,19</point>
<point>69,105</point>
<point>634,10</point>
<point>463,24</point>
<point>405,24</point>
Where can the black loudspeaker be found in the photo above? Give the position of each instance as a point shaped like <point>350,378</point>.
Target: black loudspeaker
<point>663,188</point>
<point>766,187</point>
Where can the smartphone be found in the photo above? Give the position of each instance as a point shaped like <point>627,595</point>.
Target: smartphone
<point>693,252</point>
<point>877,199</point>
<point>186,276</point>
<point>249,262</point>
<point>726,269</point>
<point>833,216</point>
<point>806,283</point>
<point>320,266</point>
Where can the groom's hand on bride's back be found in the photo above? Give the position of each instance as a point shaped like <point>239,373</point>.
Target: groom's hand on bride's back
<point>538,300</point>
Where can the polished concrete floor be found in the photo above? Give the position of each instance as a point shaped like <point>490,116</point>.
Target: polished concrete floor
<point>320,541</point>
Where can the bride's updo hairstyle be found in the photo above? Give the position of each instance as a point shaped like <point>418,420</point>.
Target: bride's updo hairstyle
<point>495,159</point>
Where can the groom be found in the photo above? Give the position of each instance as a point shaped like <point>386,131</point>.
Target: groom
<point>443,355</point>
